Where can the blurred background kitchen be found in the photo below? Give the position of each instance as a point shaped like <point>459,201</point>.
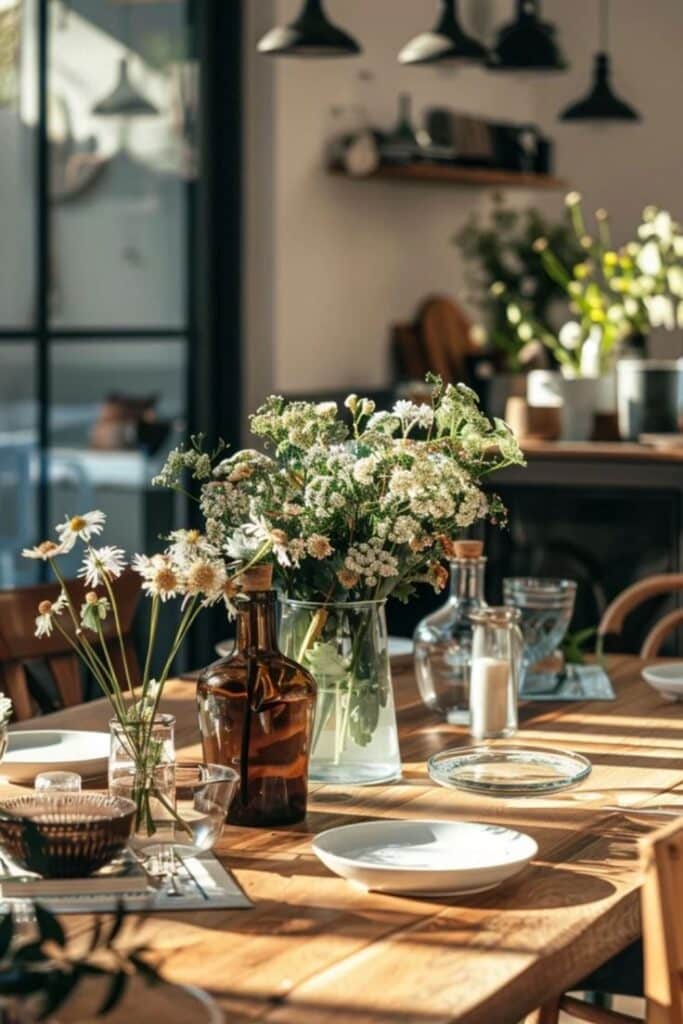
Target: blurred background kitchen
<point>205,202</point>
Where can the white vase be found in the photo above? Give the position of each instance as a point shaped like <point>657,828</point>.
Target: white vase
<point>579,398</point>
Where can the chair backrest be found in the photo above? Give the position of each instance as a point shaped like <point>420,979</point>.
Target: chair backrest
<point>662,903</point>
<point>19,645</point>
<point>613,619</point>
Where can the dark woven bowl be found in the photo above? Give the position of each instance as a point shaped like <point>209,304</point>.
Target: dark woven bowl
<point>65,835</point>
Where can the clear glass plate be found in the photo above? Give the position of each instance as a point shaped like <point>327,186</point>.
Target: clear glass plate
<point>508,770</point>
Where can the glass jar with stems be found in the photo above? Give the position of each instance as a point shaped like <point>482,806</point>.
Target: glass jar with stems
<point>345,647</point>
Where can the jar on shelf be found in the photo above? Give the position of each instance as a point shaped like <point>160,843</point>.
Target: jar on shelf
<point>256,712</point>
<point>443,640</point>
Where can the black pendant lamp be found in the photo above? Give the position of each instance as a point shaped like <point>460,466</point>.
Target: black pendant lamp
<point>446,42</point>
<point>311,35</point>
<point>124,100</point>
<point>527,43</point>
<point>601,104</point>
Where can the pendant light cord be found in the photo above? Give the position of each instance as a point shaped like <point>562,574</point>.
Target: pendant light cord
<point>604,25</point>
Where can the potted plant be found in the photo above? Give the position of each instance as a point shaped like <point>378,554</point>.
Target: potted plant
<point>503,266</point>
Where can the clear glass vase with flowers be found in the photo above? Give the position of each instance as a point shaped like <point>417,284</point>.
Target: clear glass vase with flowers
<point>87,615</point>
<point>350,509</point>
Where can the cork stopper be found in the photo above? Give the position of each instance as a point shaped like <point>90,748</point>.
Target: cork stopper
<point>259,577</point>
<point>468,549</point>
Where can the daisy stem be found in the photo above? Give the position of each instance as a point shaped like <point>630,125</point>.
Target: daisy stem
<point>186,622</point>
<point>69,602</point>
<point>110,666</point>
<point>119,634</point>
<point>153,622</point>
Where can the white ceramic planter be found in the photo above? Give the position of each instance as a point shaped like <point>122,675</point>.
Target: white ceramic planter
<point>579,398</point>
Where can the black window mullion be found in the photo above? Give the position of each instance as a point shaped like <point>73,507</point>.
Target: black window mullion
<point>43,268</point>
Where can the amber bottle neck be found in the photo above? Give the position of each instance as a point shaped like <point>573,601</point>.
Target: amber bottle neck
<point>256,622</point>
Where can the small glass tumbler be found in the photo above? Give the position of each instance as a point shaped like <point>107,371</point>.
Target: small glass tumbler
<point>546,606</point>
<point>497,646</point>
<point>58,782</point>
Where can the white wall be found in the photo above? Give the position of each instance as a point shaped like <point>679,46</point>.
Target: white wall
<point>332,263</point>
<point>339,261</point>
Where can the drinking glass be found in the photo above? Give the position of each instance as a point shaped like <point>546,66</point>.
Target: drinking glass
<point>546,607</point>
<point>203,794</point>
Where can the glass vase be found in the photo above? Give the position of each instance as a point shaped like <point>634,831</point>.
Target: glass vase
<point>345,647</point>
<point>142,764</point>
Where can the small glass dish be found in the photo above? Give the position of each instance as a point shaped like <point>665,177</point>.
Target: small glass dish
<point>508,770</point>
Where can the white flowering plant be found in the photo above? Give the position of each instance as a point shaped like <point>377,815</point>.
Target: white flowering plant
<point>190,568</point>
<point>350,510</point>
<point>613,293</point>
<point>357,511</point>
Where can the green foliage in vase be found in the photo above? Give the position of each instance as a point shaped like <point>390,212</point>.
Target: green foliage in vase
<point>501,252</point>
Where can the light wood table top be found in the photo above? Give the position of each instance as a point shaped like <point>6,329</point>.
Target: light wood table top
<point>314,950</point>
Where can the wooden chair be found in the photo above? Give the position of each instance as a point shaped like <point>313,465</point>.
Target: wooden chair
<point>18,645</point>
<point>661,900</point>
<point>613,619</point>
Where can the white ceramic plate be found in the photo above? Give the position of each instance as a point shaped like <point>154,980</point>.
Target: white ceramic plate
<point>425,858</point>
<point>667,678</point>
<point>31,751</point>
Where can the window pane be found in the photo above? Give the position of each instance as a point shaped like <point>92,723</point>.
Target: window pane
<point>117,408</point>
<point>19,463</point>
<point>18,109</point>
<point>122,118</point>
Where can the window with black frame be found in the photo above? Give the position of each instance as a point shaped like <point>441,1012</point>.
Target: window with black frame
<point>98,167</point>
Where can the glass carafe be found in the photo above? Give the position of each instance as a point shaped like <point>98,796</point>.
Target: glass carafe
<point>255,715</point>
<point>443,640</point>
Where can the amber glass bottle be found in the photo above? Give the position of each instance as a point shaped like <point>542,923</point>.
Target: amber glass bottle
<point>255,714</point>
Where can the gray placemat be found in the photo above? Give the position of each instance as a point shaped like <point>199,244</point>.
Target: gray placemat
<point>202,884</point>
<point>581,682</point>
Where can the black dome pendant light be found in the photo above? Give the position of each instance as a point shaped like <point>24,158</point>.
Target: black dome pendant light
<point>310,35</point>
<point>446,42</point>
<point>124,100</point>
<point>601,104</point>
<point>527,43</point>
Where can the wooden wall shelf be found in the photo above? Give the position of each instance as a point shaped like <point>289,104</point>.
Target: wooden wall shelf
<point>448,175</point>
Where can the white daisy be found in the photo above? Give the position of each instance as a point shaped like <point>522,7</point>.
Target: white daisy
<point>162,579</point>
<point>45,550</point>
<point>189,544</point>
<point>83,527</point>
<point>46,611</point>
<point>94,610</point>
<point>5,709</point>
<point>102,563</point>
<point>206,578</point>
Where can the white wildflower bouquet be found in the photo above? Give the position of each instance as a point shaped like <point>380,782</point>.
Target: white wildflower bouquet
<point>191,569</point>
<point>349,512</point>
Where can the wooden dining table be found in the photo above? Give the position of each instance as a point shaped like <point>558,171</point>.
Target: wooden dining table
<point>315,950</point>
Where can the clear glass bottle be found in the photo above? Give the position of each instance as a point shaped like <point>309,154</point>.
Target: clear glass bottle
<point>256,712</point>
<point>443,640</point>
<point>497,646</point>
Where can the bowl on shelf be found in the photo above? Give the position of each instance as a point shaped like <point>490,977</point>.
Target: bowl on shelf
<point>666,678</point>
<point>65,835</point>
